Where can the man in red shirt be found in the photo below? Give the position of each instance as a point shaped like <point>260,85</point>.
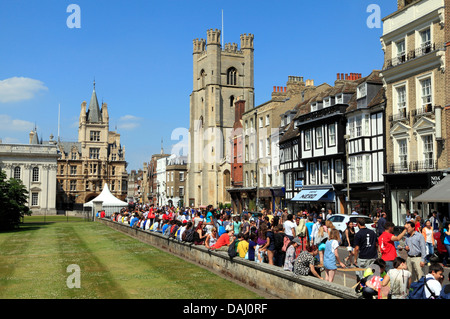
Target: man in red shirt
<point>225,239</point>
<point>386,244</point>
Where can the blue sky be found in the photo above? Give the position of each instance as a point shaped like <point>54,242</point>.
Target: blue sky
<point>140,54</point>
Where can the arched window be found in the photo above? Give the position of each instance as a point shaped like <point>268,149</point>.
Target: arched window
<point>232,100</point>
<point>17,172</point>
<point>203,78</point>
<point>35,175</point>
<point>231,76</point>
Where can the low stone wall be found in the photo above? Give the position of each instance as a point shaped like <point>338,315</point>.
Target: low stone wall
<point>269,279</point>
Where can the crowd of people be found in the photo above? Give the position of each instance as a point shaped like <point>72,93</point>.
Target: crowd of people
<point>307,243</point>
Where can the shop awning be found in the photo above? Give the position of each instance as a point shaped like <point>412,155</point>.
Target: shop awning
<point>310,195</point>
<point>439,193</point>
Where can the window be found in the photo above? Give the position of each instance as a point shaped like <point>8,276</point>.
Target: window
<point>351,169</point>
<point>267,119</point>
<point>181,176</point>
<point>358,127</point>
<point>327,102</point>
<point>34,199</point>
<point>94,153</point>
<point>307,139</point>
<point>93,168</point>
<point>295,152</point>
<point>340,99</point>
<point>268,146</point>
<point>73,170</point>
<point>338,168</point>
<point>113,157</point>
<point>232,100</point>
<point>366,124</point>
<point>113,170</point>
<point>401,51</point>
<point>74,155</point>
<point>325,179</point>
<point>351,127</point>
<point>428,151</point>
<point>113,185</point>
<point>403,153</point>
<point>361,91</point>
<point>425,37</point>
<point>252,152</point>
<point>312,173</point>
<point>368,169</point>
<point>17,172</point>
<point>246,153</point>
<point>401,101</point>
<point>247,182</point>
<point>35,176</point>
<point>289,181</point>
<point>314,107</point>
<point>202,78</point>
<point>359,168</point>
<point>231,76</point>
<point>260,122</point>
<point>331,135</point>
<point>426,94</point>
<point>95,136</point>
<point>181,191</point>
<point>61,170</point>
<point>319,137</point>
<point>73,186</point>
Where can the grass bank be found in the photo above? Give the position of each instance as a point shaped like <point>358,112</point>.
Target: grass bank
<point>35,262</point>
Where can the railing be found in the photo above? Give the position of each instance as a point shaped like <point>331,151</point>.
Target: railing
<point>414,166</point>
<point>401,116</point>
<point>413,54</point>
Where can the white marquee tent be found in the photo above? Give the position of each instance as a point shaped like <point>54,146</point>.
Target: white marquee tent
<point>110,203</point>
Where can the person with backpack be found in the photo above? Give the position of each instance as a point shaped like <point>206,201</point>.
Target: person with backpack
<point>429,286</point>
<point>445,291</point>
<point>365,250</point>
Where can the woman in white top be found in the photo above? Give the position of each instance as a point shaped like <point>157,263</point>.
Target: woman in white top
<point>427,233</point>
<point>211,238</point>
<point>399,278</point>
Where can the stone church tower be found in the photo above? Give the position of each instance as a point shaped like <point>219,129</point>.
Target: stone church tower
<point>221,76</point>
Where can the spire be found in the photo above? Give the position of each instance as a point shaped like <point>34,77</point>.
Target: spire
<point>93,113</point>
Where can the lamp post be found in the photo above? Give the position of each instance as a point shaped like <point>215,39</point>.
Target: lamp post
<point>347,137</point>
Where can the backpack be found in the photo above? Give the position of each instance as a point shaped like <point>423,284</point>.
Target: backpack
<point>232,249</point>
<point>286,242</point>
<point>445,292</point>
<point>188,235</point>
<point>417,289</point>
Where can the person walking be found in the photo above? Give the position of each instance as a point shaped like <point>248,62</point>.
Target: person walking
<point>348,240</point>
<point>331,255</point>
<point>289,226</point>
<point>427,232</point>
<point>365,242</point>
<point>416,249</point>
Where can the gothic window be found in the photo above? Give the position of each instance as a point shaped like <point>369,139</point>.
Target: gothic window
<point>95,136</point>
<point>231,76</point>
<point>203,78</point>
<point>232,100</point>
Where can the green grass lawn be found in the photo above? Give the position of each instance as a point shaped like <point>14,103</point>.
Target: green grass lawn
<point>34,263</point>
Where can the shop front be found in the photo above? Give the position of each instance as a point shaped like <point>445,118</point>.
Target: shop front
<point>313,199</point>
<point>402,189</point>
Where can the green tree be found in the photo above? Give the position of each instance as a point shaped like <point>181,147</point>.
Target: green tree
<point>13,202</point>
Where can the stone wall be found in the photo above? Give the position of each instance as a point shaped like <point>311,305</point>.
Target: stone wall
<point>263,277</point>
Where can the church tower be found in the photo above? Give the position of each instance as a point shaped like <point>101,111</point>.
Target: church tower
<point>221,76</point>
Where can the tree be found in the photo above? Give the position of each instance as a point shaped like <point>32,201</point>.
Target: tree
<point>13,202</point>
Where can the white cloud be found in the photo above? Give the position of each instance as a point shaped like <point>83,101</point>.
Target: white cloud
<point>9,124</point>
<point>129,122</point>
<point>17,89</point>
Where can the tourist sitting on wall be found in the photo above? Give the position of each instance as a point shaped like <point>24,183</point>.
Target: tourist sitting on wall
<point>305,264</point>
<point>224,240</point>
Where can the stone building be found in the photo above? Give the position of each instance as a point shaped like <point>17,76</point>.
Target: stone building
<point>95,159</point>
<point>35,165</point>
<point>220,75</point>
<point>263,181</point>
<point>414,75</point>
<point>176,172</point>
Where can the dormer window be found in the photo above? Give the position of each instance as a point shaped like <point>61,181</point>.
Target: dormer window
<point>314,107</point>
<point>340,99</point>
<point>361,91</point>
<point>327,102</point>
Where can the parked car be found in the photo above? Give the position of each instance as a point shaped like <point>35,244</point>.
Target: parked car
<point>340,221</point>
